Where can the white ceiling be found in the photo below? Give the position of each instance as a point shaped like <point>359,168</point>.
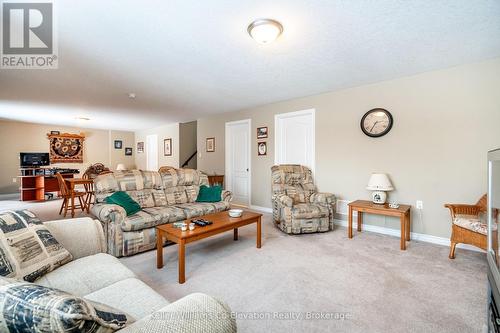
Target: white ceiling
<point>186,59</point>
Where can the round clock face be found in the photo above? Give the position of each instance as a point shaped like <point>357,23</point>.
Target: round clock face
<point>376,122</point>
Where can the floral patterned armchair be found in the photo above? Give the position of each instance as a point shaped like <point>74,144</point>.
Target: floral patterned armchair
<point>297,207</point>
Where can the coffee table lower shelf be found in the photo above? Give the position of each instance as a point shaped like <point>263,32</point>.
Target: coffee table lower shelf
<point>222,222</point>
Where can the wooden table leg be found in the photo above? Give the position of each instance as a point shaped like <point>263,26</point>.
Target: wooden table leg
<point>403,231</point>
<point>182,258</point>
<point>360,220</point>
<point>349,225</point>
<point>259,233</point>
<point>235,234</point>
<point>408,223</point>
<point>159,249</point>
<point>72,200</point>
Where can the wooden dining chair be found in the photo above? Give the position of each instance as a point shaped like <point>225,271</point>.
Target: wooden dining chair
<point>91,173</point>
<point>66,196</point>
<point>467,225</point>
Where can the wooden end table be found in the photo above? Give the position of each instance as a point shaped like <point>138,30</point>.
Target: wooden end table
<point>222,222</point>
<point>364,206</point>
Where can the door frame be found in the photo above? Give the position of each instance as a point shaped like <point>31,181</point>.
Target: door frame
<point>278,139</point>
<point>227,156</point>
<point>147,151</point>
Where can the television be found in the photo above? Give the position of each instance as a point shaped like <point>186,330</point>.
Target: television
<point>493,253</point>
<point>32,160</point>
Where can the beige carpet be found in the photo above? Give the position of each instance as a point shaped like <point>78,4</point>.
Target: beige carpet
<point>366,284</point>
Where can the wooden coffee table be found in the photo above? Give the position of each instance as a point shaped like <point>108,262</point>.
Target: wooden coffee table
<point>222,222</point>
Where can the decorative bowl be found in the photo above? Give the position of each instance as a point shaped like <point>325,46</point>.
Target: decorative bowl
<point>235,212</point>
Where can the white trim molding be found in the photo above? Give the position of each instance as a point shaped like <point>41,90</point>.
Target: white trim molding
<point>262,209</point>
<point>414,235</point>
<point>228,170</point>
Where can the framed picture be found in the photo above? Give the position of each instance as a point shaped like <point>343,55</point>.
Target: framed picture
<point>167,147</point>
<point>210,145</point>
<point>261,132</point>
<point>262,148</point>
<point>55,132</point>
<point>128,151</point>
<point>140,147</point>
<point>118,144</point>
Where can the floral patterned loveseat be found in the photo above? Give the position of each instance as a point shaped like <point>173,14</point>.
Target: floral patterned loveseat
<point>164,197</point>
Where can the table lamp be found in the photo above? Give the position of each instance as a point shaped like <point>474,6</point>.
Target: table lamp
<point>379,183</point>
<point>121,167</point>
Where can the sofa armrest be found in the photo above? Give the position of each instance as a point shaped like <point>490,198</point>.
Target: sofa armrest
<point>108,213</point>
<point>193,313</point>
<point>323,198</point>
<point>81,236</point>
<point>226,196</point>
<point>283,200</point>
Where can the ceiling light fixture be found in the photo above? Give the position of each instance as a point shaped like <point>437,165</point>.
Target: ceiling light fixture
<point>82,118</point>
<point>265,31</point>
<point>132,95</point>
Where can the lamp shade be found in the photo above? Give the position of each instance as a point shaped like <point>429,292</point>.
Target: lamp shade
<point>379,182</point>
<point>121,167</point>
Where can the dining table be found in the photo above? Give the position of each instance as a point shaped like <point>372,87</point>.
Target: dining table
<point>72,182</point>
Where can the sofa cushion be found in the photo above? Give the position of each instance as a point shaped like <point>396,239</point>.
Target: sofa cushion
<point>151,217</point>
<point>196,209</point>
<point>308,211</point>
<point>181,194</point>
<point>471,223</point>
<point>139,300</point>
<point>28,250</point>
<point>144,197</point>
<point>86,275</point>
<point>28,307</point>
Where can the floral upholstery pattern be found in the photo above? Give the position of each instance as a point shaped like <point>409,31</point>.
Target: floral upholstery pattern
<point>165,197</point>
<point>471,223</point>
<point>297,206</point>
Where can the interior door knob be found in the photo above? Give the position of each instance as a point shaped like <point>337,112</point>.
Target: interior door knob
<point>247,169</point>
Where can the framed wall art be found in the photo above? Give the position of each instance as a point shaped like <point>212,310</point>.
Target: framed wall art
<point>261,132</point>
<point>210,145</point>
<point>140,147</point>
<point>118,144</point>
<point>167,147</point>
<point>261,148</point>
<point>128,151</point>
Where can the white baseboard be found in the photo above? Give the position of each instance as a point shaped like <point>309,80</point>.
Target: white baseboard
<point>414,235</point>
<point>10,196</point>
<point>261,209</point>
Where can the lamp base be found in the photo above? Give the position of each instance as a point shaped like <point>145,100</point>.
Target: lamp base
<point>379,197</point>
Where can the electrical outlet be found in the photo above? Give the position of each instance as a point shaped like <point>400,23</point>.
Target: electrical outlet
<point>14,180</point>
<point>420,204</point>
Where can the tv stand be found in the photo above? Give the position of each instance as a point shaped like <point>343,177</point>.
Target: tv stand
<point>36,182</point>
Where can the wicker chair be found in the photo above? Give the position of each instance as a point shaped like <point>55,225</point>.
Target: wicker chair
<point>297,207</point>
<point>469,224</point>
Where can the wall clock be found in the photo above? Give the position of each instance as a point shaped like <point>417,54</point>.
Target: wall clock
<point>376,122</point>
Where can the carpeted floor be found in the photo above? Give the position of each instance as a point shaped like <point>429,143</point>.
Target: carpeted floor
<point>365,284</point>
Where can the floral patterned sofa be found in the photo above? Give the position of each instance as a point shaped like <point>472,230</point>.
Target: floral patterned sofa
<point>297,206</point>
<point>165,197</point>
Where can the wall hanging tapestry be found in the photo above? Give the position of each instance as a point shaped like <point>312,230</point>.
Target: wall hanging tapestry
<point>66,148</point>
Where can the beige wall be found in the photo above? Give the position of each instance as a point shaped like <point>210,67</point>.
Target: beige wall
<point>444,123</point>
<point>187,143</point>
<point>16,137</point>
<point>163,132</point>
<point>118,155</point>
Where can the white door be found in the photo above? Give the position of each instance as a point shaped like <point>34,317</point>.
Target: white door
<point>152,152</point>
<point>295,142</point>
<point>238,160</point>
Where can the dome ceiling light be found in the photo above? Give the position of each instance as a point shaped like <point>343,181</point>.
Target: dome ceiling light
<point>265,31</point>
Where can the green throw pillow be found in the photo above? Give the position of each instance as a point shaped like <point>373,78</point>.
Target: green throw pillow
<point>123,199</point>
<point>209,194</point>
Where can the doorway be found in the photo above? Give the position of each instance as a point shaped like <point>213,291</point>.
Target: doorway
<point>238,161</point>
<point>152,152</point>
<point>295,138</point>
